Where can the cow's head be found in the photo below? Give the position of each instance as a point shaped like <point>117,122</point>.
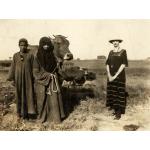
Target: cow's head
<point>61,48</point>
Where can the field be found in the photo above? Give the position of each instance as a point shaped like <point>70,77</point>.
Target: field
<point>90,114</point>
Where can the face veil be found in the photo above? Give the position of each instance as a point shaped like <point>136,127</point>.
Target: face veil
<point>46,57</point>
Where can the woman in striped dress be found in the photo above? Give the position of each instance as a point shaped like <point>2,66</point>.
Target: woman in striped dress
<point>116,83</point>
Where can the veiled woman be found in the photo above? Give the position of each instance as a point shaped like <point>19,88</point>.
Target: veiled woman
<point>49,101</point>
<point>116,85</point>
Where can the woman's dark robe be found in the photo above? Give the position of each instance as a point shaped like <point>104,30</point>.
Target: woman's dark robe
<point>21,73</point>
<point>50,107</point>
<point>116,90</point>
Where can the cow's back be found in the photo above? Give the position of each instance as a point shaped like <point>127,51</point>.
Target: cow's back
<point>33,49</point>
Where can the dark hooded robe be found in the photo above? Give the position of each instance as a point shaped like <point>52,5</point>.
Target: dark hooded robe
<point>21,73</point>
<point>49,100</point>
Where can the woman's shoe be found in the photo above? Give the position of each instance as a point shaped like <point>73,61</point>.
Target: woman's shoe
<point>117,116</point>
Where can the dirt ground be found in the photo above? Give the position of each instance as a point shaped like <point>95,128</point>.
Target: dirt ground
<point>90,115</point>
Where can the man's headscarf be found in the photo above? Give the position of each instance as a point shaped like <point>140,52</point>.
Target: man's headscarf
<point>46,57</point>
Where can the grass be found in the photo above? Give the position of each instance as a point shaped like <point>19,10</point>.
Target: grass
<point>90,114</point>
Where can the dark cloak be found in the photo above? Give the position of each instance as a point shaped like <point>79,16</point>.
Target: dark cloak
<point>50,107</point>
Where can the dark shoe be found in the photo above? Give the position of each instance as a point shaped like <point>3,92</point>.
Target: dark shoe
<point>32,116</point>
<point>117,116</point>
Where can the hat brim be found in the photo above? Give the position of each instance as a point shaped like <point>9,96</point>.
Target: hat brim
<point>119,40</point>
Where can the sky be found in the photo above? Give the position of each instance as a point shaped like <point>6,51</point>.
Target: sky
<point>88,38</point>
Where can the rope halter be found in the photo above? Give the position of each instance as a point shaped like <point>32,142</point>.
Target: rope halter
<point>51,89</point>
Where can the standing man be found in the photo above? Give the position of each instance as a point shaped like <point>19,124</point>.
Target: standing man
<point>116,83</point>
<point>21,74</point>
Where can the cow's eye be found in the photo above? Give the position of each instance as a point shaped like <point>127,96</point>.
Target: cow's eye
<point>58,43</point>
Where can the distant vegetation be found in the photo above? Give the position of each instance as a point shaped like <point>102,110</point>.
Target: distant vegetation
<point>5,63</point>
<point>93,64</point>
<point>101,57</point>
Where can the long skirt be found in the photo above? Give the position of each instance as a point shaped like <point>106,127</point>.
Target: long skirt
<point>116,95</point>
<point>49,106</point>
<point>52,110</point>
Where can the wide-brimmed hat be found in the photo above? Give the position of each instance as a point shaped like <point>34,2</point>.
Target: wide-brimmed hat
<point>119,40</point>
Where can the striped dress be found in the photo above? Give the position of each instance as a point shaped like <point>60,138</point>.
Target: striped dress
<point>116,90</point>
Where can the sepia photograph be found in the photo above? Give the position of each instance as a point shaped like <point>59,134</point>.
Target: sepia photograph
<point>74,75</point>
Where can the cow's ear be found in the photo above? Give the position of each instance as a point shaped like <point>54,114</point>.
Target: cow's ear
<point>49,37</point>
<point>64,36</point>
